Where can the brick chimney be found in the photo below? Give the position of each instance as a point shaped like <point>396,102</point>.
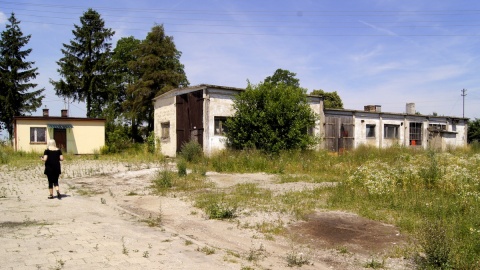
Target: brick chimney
<point>45,112</point>
<point>372,108</point>
<point>64,113</point>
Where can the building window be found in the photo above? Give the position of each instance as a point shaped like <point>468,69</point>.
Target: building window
<point>370,131</point>
<point>415,133</point>
<point>220,128</point>
<point>391,131</point>
<point>437,126</point>
<point>165,134</point>
<point>38,135</point>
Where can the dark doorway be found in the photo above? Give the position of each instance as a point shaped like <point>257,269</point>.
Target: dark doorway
<point>189,118</point>
<point>60,137</point>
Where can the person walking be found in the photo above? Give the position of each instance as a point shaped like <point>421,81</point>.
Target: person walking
<point>52,157</point>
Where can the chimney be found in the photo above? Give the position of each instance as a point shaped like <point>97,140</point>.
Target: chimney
<point>64,113</point>
<point>372,108</point>
<point>410,108</point>
<point>45,112</point>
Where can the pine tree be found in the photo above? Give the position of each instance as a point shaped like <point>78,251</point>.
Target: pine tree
<point>86,63</point>
<point>158,70</point>
<point>15,76</point>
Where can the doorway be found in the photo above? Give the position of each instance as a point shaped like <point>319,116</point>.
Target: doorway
<point>60,137</point>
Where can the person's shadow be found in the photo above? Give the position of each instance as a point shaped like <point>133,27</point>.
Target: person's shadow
<point>61,196</point>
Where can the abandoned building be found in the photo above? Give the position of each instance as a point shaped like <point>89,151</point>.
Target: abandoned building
<point>199,112</point>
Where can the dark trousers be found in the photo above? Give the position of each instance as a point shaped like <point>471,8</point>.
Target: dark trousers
<point>52,180</point>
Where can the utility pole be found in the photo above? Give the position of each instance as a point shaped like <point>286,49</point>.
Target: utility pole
<point>463,95</point>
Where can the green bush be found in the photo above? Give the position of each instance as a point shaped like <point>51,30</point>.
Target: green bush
<point>431,173</point>
<point>4,156</point>
<point>181,167</point>
<point>436,245</point>
<point>271,117</point>
<point>191,151</point>
<point>150,143</point>
<point>164,180</point>
<point>117,141</point>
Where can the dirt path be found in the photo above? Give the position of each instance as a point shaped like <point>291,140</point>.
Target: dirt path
<point>179,234</point>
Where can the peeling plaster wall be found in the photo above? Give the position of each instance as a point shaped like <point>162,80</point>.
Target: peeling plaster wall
<point>165,112</point>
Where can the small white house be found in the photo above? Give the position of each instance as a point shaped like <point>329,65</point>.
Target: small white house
<point>199,113</point>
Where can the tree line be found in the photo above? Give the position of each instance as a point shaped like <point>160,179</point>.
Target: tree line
<point>116,84</point>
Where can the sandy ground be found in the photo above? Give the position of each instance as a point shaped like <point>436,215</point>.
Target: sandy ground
<point>107,208</point>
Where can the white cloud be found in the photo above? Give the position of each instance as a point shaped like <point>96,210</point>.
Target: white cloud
<point>3,18</point>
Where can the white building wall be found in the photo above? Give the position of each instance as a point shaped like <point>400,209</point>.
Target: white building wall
<point>165,112</point>
<point>316,104</point>
<point>218,103</point>
<point>361,121</point>
<point>395,121</point>
<point>460,127</point>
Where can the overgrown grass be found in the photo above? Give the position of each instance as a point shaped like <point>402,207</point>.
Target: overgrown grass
<point>432,196</point>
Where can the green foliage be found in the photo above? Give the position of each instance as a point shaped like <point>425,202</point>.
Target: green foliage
<point>283,76</point>
<point>150,142</point>
<point>432,195</point>
<point>475,146</point>
<point>15,76</point>
<point>215,206</point>
<point>164,180</point>
<point>182,167</point>
<point>431,173</point>
<point>331,100</point>
<point>374,264</point>
<point>191,151</point>
<point>122,78</point>
<point>271,117</point>
<point>474,131</point>
<point>85,67</point>
<point>436,245</point>
<point>5,153</point>
<point>117,140</point>
<point>157,69</point>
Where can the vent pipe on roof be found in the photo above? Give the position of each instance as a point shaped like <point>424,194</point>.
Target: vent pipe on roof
<point>410,108</point>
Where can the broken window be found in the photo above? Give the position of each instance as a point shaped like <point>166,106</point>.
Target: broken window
<point>370,131</point>
<point>415,133</point>
<point>391,131</point>
<point>165,133</point>
<point>437,126</point>
<point>220,128</point>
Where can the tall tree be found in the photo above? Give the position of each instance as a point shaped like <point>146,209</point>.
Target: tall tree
<point>117,117</point>
<point>473,134</point>
<point>271,116</point>
<point>85,66</point>
<point>158,70</point>
<point>331,100</point>
<point>122,55</point>
<point>15,76</point>
<point>283,76</point>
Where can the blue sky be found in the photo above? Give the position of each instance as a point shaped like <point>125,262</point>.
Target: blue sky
<point>372,52</point>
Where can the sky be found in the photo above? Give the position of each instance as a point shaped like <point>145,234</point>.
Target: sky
<point>372,52</point>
